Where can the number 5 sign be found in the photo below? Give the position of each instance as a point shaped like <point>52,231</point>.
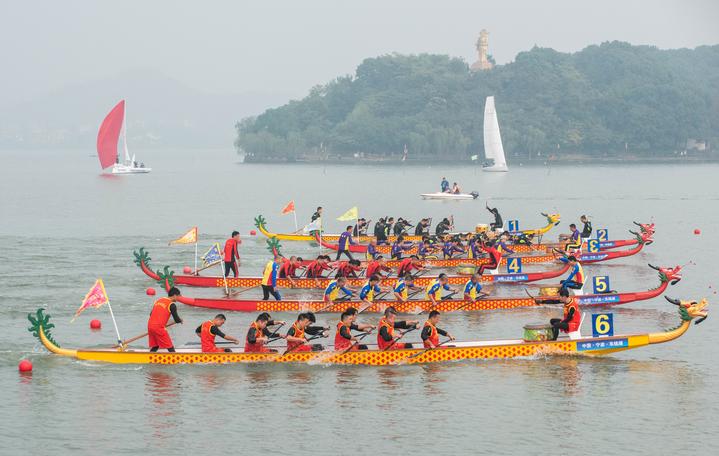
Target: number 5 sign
<point>602,325</point>
<point>600,284</point>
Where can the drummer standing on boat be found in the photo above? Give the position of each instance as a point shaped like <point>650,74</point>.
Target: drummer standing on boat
<point>157,334</point>
<point>232,254</point>
<point>269,279</point>
<point>343,245</point>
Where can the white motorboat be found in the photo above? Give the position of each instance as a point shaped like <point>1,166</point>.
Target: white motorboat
<point>493,150</point>
<point>449,196</point>
<point>108,136</point>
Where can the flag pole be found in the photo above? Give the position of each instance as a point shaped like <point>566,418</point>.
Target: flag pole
<point>294,212</point>
<point>195,256</point>
<point>224,277</point>
<point>112,315</point>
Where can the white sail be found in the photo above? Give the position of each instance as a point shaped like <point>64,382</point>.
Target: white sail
<point>493,149</point>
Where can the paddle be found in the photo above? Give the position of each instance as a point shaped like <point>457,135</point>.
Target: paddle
<point>426,350</point>
<point>299,345</point>
<point>481,296</point>
<point>444,298</point>
<point>401,335</point>
<point>344,298</point>
<point>359,338</point>
<point>133,339</point>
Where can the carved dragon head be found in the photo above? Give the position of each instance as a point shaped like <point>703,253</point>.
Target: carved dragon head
<point>166,278</point>
<point>40,320</point>
<point>273,245</point>
<point>689,310</point>
<point>142,257</point>
<point>260,222</point>
<point>643,237</point>
<point>669,274</point>
<point>646,227</point>
<point>552,219</point>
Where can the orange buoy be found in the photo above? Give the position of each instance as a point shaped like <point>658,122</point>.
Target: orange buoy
<point>150,291</point>
<point>95,324</point>
<point>187,270</point>
<point>253,233</point>
<point>697,231</point>
<point>24,366</point>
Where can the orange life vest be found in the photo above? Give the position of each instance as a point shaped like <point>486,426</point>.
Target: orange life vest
<point>298,333</point>
<point>574,323</point>
<point>342,343</point>
<point>256,347</point>
<point>381,343</point>
<point>433,336</point>
<point>160,313</point>
<point>207,339</point>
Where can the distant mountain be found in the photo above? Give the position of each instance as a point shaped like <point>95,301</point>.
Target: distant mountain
<point>609,99</point>
<point>160,112</point>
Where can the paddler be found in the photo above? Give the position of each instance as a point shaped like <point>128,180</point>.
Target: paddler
<point>498,222</point>
<point>289,268</point>
<point>431,333</point>
<point>344,338</point>
<point>232,254</point>
<point>443,227</point>
<point>575,279</point>
<point>473,248</point>
<point>157,335</point>
<point>587,228</point>
<point>269,279</point>
<point>259,335</point>
<point>401,226</point>
<point>316,267</point>
<point>386,337</point>
<point>347,268</point>
<point>402,286</point>
<point>408,264</point>
<point>380,231</point>
<point>360,229</point>
<point>495,257</point>
<point>372,250</point>
<point>377,267</point>
<point>370,290</point>
<point>343,245</point>
<point>399,247</point>
<point>473,289</point>
<point>571,319</point>
<point>334,288</point>
<point>451,247</point>
<point>296,339</point>
<point>574,241</point>
<point>422,228</point>
<point>211,329</point>
<point>502,245</point>
<point>434,290</point>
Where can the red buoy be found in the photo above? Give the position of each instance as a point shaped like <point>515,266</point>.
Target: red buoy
<point>150,291</point>
<point>95,324</point>
<point>697,231</point>
<point>253,233</point>
<point>24,366</point>
<point>187,270</point>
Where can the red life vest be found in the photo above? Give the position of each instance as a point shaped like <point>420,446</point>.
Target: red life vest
<point>381,343</point>
<point>433,336</point>
<point>207,339</point>
<point>345,269</point>
<point>287,269</point>
<point>342,343</point>
<point>298,333</point>
<point>405,266</point>
<point>372,268</point>
<point>160,313</point>
<point>576,320</point>
<point>256,347</point>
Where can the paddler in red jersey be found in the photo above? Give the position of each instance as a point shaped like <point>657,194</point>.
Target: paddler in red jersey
<point>289,268</point>
<point>571,319</point>
<point>259,335</point>
<point>408,264</point>
<point>232,253</point>
<point>495,257</point>
<point>296,339</point>
<point>157,334</point>
<point>387,339</point>
<point>209,330</point>
<point>377,267</point>
<point>431,333</point>
<point>343,337</point>
<point>317,267</point>
<point>347,268</point>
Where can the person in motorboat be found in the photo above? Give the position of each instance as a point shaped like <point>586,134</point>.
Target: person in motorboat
<point>455,189</point>
<point>444,185</point>
<point>259,335</point>
<point>386,337</point>
<point>157,335</point>
<point>296,335</point>
<point>210,329</point>
<point>571,319</point>
<point>431,333</point>
<point>344,339</point>
<point>434,290</point>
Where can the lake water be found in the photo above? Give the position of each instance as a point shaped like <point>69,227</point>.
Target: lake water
<point>62,225</point>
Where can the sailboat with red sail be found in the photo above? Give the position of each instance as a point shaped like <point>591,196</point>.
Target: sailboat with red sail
<point>108,136</point>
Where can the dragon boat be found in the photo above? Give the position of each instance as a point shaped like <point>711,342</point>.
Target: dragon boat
<point>261,224</point>
<point>666,276</point>
<point>165,276</point>
<point>458,351</point>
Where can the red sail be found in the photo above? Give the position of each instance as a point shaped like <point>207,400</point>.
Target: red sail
<point>109,134</point>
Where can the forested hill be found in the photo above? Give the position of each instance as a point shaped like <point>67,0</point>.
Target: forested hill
<point>611,99</point>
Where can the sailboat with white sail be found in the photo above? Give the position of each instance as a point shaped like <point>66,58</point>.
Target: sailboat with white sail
<point>108,136</point>
<point>493,150</point>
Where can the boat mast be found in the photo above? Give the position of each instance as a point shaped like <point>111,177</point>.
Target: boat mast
<point>124,137</point>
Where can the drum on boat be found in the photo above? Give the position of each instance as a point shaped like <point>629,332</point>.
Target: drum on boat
<point>537,332</point>
<point>548,291</point>
<point>481,228</point>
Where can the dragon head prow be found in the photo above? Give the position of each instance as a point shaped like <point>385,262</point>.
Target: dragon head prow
<point>552,219</point>
<point>260,221</point>
<point>690,310</point>
<point>646,228</point>
<point>643,237</point>
<point>668,274</point>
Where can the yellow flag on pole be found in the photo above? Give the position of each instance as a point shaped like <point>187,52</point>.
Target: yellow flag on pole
<point>96,297</point>
<point>188,238</point>
<point>352,214</point>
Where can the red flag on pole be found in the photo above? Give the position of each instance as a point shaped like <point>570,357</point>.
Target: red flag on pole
<point>289,208</point>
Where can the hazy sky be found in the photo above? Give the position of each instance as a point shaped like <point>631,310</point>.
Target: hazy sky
<point>289,46</point>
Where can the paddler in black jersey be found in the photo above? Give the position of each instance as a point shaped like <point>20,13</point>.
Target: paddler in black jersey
<point>498,222</point>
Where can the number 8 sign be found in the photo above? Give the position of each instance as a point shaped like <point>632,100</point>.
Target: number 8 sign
<point>602,325</point>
